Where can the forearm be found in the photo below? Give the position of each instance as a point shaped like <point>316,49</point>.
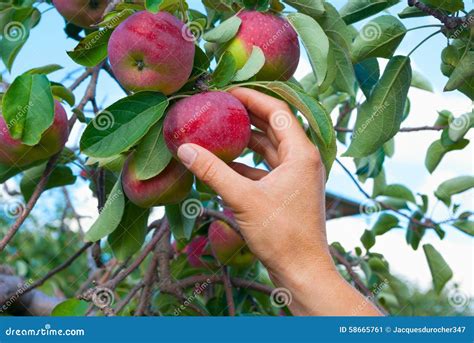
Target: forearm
<point>317,289</point>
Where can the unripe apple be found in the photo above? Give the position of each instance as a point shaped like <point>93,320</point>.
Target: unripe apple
<point>277,39</point>
<point>216,121</point>
<point>196,249</point>
<point>150,52</point>
<point>13,152</point>
<point>227,246</point>
<point>168,187</point>
<point>83,13</point>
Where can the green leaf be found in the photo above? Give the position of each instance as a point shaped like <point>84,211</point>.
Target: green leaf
<point>182,216</point>
<point>453,186</point>
<point>334,26</point>
<point>15,25</point>
<point>421,82</point>
<point>367,74</point>
<point>71,308</point>
<point>356,10</point>
<point>47,69</point>
<point>253,65</point>
<point>318,119</point>
<point>151,155</point>
<point>437,150</point>
<point>399,192</point>
<point>450,6</point>
<point>225,70</point>
<point>368,239</point>
<point>385,223</point>
<point>60,176</point>
<point>130,233</point>
<point>224,32</point>
<point>62,93</point>
<point>153,6</point>
<point>440,270</point>
<point>28,108</point>
<point>379,118</point>
<point>345,75</point>
<point>315,42</point>
<point>92,49</point>
<point>6,172</point>
<point>110,216</point>
<point>411,12</point>
<point>121,125</point>
<point>378,38</point>
<point>460,126</point>
<point>313,8</point>
<point>464,71</point>
<point>466,226</point>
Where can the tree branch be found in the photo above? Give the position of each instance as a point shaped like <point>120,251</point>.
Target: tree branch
<point>403,129</point>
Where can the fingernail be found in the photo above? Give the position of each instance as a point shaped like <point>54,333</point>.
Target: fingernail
<point>187,154</point>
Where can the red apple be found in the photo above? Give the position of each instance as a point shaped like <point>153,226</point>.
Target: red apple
<point>277,39</point>
<point>83,13</point>
<point>196,249</point>
<point>169,187</point>
<point>149,52</point>
<point>13,152</point>
<point>227,245</point>
<point>216,121</point>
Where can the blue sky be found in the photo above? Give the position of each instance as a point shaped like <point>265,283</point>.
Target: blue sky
<point>47,44</point>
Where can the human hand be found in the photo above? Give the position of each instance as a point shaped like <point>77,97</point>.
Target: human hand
<point>281,213</point>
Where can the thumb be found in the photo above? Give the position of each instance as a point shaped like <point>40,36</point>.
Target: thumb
<point>214,172</point>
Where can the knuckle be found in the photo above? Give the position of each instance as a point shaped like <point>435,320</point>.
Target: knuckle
<point>313,156</point>
<point>208,172</point>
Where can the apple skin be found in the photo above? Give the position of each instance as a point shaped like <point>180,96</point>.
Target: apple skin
<point>83,13</point>
<point>216,121</point>
<point>149,52</point>
<point>195,249</point>
<point>277,39</point>
<point>14,153</point>
<point>169,187</point>
<point>227,246</point>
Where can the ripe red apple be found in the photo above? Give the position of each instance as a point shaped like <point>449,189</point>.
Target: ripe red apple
<point>13,152</point>
<point>277,39</point>
<point>149,52</point>
<point>216,121</point>
<point>196,249</point>
<point>83,13</point>
<point>227,246</point>
<point>170,186</point>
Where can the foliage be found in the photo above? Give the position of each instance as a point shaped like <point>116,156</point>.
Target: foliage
<point>346,67</point>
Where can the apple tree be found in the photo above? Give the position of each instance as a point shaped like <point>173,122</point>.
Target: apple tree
<point>173,62</point>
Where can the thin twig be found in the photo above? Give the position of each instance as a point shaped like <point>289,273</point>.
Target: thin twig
<point>228,291</point>
<point>121,305</point>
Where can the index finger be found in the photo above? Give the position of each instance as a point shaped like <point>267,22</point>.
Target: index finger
<point>273,111</point>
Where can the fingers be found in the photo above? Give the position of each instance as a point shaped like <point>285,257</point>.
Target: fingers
<point>249,172</point>
<point>214,172</point>
<point>273,111</point>
<point>262,145</point>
